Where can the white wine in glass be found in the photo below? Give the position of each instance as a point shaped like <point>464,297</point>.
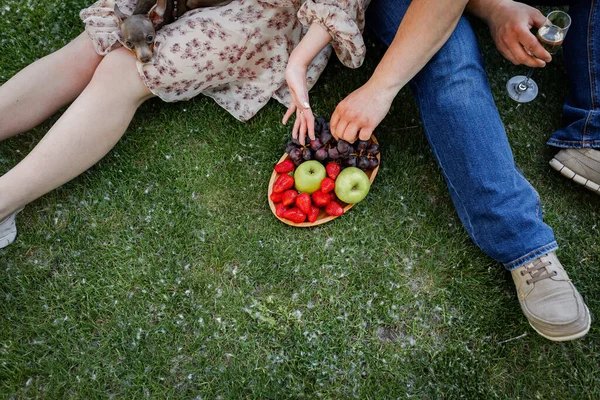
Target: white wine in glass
<point>551,36</point>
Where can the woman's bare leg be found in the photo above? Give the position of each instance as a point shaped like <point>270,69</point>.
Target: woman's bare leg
<point>87,130</point>
<point>42,88</point>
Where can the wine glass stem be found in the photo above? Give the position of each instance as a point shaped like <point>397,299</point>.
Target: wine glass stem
<point>523,85</point>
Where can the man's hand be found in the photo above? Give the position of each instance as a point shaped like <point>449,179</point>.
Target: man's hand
<point>360,113</point>
<point>510,23</point>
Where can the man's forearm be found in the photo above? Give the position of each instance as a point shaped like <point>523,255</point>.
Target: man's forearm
<point>482,9</point>
<point>425,28</point>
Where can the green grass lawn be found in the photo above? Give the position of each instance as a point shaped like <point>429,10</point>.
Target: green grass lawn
<point>161,272</point>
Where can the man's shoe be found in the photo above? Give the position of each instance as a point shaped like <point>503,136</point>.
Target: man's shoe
<point>549,300</point>
<point>8,230</point>
<point>579,165</point>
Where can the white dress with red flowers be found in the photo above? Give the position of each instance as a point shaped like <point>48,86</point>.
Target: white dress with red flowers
<point>235,53</point>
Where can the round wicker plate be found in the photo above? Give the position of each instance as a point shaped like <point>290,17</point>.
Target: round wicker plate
<point>323,217</point>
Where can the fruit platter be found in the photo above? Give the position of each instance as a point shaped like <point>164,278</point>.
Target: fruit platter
<point>320,180</point>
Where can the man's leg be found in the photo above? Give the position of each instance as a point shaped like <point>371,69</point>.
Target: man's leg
<point>499,208</point>
<point>580,137</point>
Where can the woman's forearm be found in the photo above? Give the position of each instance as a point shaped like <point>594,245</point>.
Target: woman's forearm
<point>311,44</point>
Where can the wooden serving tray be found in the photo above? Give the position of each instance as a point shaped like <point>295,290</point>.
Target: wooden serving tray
<point>323,217</point>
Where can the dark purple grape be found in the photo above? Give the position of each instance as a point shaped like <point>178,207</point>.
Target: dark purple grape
<point>319,123</point>
<point>344,156</point>
<point>361,145</point>
<point>351,161</point>
<point>373,149</point>
<point>290,146</point>
<point>296,156</point>
<point>316,144</point>
<point>307,154</point>
<point>363,163</point>
<point>321,154</point>
<point>334,154</point>
<point>373,163</point>
<point>326,137</point>
<point>343,147</point>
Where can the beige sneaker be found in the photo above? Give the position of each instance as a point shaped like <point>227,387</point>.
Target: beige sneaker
<point>8,230</point>
<point>549,300</point>
<point>579,165</point>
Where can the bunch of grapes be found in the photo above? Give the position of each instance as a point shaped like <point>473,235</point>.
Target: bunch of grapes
<point>325,148</point>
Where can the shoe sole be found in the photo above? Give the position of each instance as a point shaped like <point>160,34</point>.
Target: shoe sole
<point>569,174</point>
<point>6,240</point>
<point>570,337</point>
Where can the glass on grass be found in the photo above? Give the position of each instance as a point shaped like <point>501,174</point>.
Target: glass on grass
<point>551,36</point>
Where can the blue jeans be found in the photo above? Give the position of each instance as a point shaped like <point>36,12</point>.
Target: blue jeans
<point>581,115</point>
<point>499,208</point>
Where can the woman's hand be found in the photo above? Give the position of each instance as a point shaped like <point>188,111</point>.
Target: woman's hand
<point>295,75</point>
<point>311,44</point>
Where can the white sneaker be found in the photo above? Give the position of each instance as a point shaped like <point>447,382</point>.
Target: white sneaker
<point>8,230</point>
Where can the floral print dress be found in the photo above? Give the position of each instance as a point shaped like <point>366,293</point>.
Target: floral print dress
<point>237,53</point>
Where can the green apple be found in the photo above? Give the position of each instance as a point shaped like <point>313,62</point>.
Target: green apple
<point>352,185</point>
<point>308,176</point>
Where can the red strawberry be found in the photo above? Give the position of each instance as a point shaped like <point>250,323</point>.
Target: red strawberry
<point>283,183</point>
<point>327,185</point>
<point>294,214</point>
<point>333,208</point>
<point>289,197</point>
<point>333,170</point>
<point>276,197</point>
<point>280,210</point>
<point>303,202</point>
<point>333,196</point>
<point>320,199</point>
<point>285,166</point>
<point>313,214</point>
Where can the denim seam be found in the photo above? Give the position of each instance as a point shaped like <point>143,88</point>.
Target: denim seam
<point>573,144</point>
<point>591,71</point>
<point>532,255</point>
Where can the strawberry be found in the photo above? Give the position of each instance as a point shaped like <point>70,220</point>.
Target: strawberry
<point>303,202</point>
<point>333,197</point>
<point>333,170</point>
<point>285,166</point>
<point>294,214</point>
<point>313,214</point>
<point>333,208</point>
<point>276,197</point>
<point>289,197</point>
<point>283,183</point>
<point>280,210</point>
<point>327,185</point>
<point>320,199</point>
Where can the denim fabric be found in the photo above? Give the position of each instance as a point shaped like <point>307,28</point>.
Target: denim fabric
<point>581,114</point>
<point>498,207</point>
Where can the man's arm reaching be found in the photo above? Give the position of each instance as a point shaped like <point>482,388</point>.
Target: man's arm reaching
<point>425,28</point>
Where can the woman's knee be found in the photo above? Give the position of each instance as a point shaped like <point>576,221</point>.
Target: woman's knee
<point>118,72</point>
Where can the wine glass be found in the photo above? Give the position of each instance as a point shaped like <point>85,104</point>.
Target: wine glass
<point>551,35</point>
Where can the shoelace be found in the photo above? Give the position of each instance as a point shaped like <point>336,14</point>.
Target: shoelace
<point>537,271</point>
